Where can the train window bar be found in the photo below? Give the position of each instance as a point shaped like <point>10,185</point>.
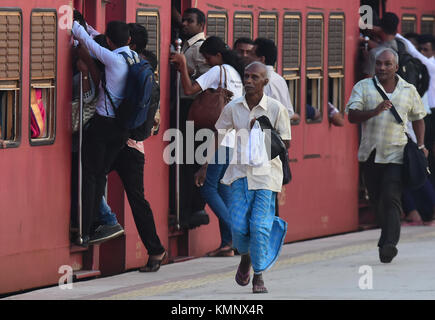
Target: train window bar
<point>243,25</point>
<point>150,19</point>
<point>314,65</point>
<point>268,26</point>
<point>217,25</point>
<point>10,76</point>
<point>43,61</point>
<point>427,24</point>
<point>409,23</point>
<point>336,49</point>
<point>291,58</point>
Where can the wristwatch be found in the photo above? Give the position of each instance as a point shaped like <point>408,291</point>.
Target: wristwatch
<point>421,147</point>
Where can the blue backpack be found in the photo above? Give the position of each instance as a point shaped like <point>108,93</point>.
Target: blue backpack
<point>133,110</point>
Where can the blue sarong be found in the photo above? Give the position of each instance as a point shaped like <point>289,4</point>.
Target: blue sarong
<point>255,229</point>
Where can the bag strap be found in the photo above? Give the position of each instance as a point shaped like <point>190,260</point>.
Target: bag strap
<point>220,77</point>
<point>392,109</point>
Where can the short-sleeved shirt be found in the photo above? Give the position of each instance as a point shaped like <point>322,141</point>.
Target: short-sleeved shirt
<point>211,79</point>
<point>277,88</point>
<point>383,132</point>
<point>237,115</point>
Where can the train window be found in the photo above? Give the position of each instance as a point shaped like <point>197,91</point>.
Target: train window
<point>217,25</point>
<point>151,21</point>
<point>291,62</point>
<point>336,60</point>
<point>243,23</point>
<point>10,76</point>
<point>427,24</point>
<point>409,23</point>
<point>268,26</point>
<point>43,49</point>
<point>314,67</point>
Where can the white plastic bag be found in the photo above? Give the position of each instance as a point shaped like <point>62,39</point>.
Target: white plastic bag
<point>256,148</point>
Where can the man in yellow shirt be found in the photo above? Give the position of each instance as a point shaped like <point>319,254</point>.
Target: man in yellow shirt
<point>383,140</point>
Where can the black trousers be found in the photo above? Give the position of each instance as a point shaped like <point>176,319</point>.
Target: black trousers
<point>129,165</point>
<point>102,142</point>
<point>384,184</point>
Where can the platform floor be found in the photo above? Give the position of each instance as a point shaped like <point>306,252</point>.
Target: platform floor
<point>337,267</point>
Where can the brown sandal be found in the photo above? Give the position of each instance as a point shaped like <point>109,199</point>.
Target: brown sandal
<point>242,279</point>
<point>258,285</point>
<point>154,265</point>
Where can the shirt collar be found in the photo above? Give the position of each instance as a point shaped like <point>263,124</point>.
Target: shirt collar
<point>122,49</point>
<point>270,71</point>
<point>400,83</point>
<point>262,103</point>
<point>195,38</point>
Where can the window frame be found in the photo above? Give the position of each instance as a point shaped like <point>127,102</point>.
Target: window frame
<point>309,71</point>
<point>408,17</point>
<point>216,15</point>
<point>427,17</point>
<point>268,15</point>
<point>243,15</point>
<point>293,74</point>
<point>338,72</point>
<point>51,138</point>
<point>151,13</point>
<point>19,87</point>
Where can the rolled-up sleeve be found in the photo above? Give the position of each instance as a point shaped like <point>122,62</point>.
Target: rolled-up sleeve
<point>356,100</point>
<point>417,111</point>
<point>283,124</point>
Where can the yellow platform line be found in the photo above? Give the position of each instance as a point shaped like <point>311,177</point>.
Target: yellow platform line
<point>296,260</point>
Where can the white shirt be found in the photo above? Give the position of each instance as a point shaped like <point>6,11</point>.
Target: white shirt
<point>430,65</point>
<point>277,88</point>
<point>237,115</point>
<point>211,78</point>
<point>116,69</point>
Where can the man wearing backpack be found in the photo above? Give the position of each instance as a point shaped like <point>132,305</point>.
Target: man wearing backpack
<point>129,164</point>
<point>104,138</point>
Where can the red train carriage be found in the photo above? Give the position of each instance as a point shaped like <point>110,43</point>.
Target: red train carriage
<point>317,45</point>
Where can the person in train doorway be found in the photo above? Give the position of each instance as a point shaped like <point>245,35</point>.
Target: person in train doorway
<point>192,204</point>
<point>226,67</point>
<point>258,234</point>
<point>129,164</point>
<point>383,141</point>
<point>103,139</point>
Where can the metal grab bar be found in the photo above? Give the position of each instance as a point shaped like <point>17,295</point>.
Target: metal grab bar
<point>178,43</point>
<point>79,198</point>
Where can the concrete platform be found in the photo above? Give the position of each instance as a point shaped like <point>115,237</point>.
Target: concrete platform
<point>337,267</point>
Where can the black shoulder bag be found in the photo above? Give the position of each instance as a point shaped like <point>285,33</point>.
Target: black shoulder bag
<point>278,148</point>
<point>415,165</point>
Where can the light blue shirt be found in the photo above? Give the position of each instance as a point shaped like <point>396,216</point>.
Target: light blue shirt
<point>116,70</point>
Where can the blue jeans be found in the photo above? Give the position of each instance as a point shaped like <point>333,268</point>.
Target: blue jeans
<point>107,217</point>
<point>218,195</point>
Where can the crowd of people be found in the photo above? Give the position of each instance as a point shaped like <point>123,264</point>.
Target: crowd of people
<point>242,196</point>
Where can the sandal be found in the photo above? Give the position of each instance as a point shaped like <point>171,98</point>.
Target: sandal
<point>242,279</point>
<point>154,265</point>
<point>221,252</point>
<point>258,285</point>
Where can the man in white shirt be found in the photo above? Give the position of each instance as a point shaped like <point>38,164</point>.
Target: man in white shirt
<point>104,138</point>
<point>257,233</point>
<point>266,52</point>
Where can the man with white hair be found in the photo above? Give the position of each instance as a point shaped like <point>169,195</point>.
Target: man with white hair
<point>383,141</point>
<point>257,234</point>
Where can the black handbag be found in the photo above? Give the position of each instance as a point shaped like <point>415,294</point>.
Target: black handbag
<point>415,164</point>
<point>277,149</point>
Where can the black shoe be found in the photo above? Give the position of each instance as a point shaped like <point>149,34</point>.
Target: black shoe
<point>106,232</point>
<point>198,218</point>
<point>387,253</point>
<point>84,241</point>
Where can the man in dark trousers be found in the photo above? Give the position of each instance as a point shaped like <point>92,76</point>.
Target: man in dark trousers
<point>383,141</point>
